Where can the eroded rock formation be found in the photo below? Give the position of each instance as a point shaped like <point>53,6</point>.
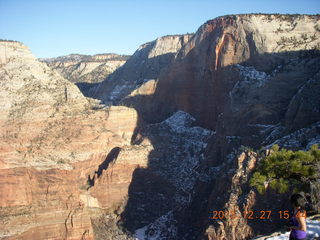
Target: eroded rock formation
<point>52,142</point>
<point>85,68</point>
<point>146,64</point>
<point>249,78</point>
<point>75,169</point>
<point>239,66</point>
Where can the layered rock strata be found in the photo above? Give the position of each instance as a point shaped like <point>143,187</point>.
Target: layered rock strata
<point>248,68</point>
<point>53,142</point>
<point>247,80</point>
<point>85,68</point>
<point>251,78</point>
<point>146,64</point>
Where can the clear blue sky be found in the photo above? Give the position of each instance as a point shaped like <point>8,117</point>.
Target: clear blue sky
<point>59,27</point>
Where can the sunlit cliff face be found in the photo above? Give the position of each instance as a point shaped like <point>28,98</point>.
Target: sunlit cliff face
<point>73,168</point>
<point>52,142</point>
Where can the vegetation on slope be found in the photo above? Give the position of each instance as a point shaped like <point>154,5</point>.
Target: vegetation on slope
<point>286,170</point>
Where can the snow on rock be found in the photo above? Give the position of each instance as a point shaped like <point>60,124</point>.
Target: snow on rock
<point>178,153</point>
<point>181,122</point>
<point>161,229</point>
<point>184,146</point>
<point>273,132</point>
<point>313,141</point>
<point>313,232</point>
<point>301,139</point>
<point>188,143</point>
<point>117,91</point>
<point>252,76</point>
<point>251,80</point>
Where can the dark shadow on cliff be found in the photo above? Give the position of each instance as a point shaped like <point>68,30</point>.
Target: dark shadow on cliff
<point>86,88</point>
<point>112,155</point>
<point>150,195</point>
<point>132,74</point>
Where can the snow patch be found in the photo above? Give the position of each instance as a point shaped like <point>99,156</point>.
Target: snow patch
<point>313,231</point>
<point>253,76</point>
<point>188,143</point>
<point>184,146</point>
<point>179,121</point>
<point>251,80</point>
<point>161,229</point>
<point>116,91</point>
<point>274,133</point>
<point>303,138</point>
<point>313,141</point>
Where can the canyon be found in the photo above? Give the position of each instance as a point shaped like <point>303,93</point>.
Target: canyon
<point>171,135</point>
<point>85,70</point>
<point>144,67</point>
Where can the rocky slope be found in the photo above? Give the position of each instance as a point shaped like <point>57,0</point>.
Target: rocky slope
<point>241,64</point>
<point>52,142</point>
<point>68,163</point>
<point>146,64</point>
<point>254,80</point>
<point>85,68</point>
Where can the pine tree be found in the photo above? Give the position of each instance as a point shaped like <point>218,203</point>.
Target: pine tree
<point>285,170</point>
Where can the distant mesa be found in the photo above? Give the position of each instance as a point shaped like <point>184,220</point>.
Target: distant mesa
<point>86,68</point>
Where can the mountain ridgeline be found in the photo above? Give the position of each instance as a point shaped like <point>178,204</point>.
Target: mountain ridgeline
<point>165,139</point>
<point>85,70</point>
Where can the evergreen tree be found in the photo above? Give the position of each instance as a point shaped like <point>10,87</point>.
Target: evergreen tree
<point>285,170</point>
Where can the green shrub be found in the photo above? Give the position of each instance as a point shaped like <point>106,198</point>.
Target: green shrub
<point>285,170</point>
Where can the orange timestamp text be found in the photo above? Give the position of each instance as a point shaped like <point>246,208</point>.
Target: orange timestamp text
<point>251,214</point>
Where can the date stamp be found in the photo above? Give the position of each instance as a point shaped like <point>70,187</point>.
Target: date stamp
<point>251,214</point>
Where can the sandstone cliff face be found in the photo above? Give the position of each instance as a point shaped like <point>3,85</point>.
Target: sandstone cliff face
<point>241,64</point>
<point>52,143</point>
<point>66,159</point>
<point>254,80</point>
<point>85,68</point>
<point>146,64</point>
<point>84,170</point>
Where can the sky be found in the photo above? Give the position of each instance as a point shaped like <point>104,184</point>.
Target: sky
<point>52,28</point>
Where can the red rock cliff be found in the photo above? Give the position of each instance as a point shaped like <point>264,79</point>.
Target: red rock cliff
<point>53,144</point>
